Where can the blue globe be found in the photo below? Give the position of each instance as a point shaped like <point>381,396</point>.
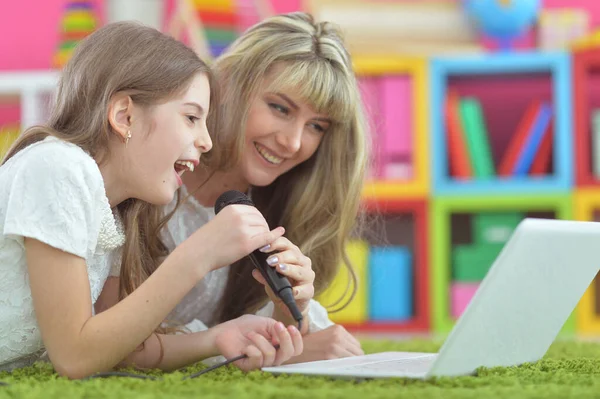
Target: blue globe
<point>503,19</point>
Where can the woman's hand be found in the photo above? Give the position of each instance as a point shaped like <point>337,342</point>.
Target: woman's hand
<point>331,343</point>
<point>256,337</point>
<point>292,263</point>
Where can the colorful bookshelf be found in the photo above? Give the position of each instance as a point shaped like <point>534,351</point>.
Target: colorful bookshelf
<point>500,88</point>
<point>406,227</point>
<point>445,225</point>
<point>587,208</point>
<point>586,92</point>
<point>401,129</point>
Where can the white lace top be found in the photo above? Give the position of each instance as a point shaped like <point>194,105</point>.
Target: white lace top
<point>197,310</point>
<point>53,192</point>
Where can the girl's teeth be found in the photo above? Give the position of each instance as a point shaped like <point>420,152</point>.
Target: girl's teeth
<point>268,156</point>
<point>188,164</point>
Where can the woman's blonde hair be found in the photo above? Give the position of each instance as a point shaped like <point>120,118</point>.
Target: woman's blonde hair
<point>123,57</point>
<point>317,201</point>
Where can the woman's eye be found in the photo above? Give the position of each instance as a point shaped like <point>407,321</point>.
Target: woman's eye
<point>279,108</point>
<point>318,127</point>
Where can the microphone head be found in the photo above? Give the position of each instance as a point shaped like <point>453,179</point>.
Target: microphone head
<point>232,197</point>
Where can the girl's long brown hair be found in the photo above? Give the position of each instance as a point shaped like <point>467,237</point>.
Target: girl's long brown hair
<point>151,67</point>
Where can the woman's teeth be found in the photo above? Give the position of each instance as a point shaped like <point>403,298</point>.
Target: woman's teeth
<point>187,165</point>
<point>267,155</point>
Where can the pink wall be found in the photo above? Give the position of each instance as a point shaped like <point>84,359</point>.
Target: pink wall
<point>29,28</point>
<point>29,33</point>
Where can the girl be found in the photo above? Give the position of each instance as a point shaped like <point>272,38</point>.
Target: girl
<point>129,119</point>
<point>293,136</point>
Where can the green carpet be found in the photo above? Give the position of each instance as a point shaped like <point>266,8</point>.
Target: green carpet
<point>570,369</point>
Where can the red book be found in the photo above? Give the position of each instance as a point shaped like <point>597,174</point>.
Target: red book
<point>458,156</point>
<point>517,142</point>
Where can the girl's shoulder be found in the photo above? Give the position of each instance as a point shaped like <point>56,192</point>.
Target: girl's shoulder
<point>54,159</point>
<point>56,152</point>
<point>54,191</point>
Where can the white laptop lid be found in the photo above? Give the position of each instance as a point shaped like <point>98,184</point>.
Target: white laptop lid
<point>526,297</point>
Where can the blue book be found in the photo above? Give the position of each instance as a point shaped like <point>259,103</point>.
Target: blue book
<point>390,284</point>
<point>534,140</point>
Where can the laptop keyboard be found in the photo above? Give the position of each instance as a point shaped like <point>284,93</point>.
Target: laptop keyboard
<point>411,365</point>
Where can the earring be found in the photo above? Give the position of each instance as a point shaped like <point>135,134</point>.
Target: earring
<point>127,138</point>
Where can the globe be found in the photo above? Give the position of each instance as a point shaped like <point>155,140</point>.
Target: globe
<point>503,20</point>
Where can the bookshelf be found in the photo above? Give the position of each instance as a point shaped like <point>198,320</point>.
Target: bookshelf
<point>415,133</point>
<point>586,94</point>
<point>404,225</point>
<point>586,207</point>
<point>395,93</point>
<point>445,232</point>
<point>504,84</point>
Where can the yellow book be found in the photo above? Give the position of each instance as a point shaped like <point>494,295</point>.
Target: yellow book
<point>8,134</point>
<point>357,310</point>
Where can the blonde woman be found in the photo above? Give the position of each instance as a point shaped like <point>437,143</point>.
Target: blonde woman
<point>293,137</point>
<point>130,118</point>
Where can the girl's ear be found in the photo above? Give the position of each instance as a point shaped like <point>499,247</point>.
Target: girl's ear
<point>120,109</point>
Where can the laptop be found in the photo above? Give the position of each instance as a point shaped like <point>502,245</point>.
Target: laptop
<point>518,310</point>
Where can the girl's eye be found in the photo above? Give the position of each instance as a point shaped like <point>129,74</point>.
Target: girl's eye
<point>192,118</point>
<point>279,108</point>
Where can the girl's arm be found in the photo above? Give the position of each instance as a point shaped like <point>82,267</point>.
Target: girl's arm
<point>171,352</point>
<point>177,350</point>
<point>78,344</point>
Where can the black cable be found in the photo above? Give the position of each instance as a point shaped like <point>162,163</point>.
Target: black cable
<point>216,366</point>
<point>120,374</point>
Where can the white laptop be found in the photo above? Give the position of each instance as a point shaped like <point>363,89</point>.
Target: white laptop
<point>517,312</point>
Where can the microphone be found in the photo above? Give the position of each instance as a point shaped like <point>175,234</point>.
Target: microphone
<point>278,283</point>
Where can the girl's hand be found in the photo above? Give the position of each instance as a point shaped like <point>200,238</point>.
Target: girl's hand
<point>256,337</point>
<point>234,233</point>
<point>292,263</point>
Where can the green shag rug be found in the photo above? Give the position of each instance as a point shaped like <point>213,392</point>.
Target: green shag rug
<point>570,369</point>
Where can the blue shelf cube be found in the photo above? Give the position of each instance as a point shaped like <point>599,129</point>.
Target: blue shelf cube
<point>558,66</point>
